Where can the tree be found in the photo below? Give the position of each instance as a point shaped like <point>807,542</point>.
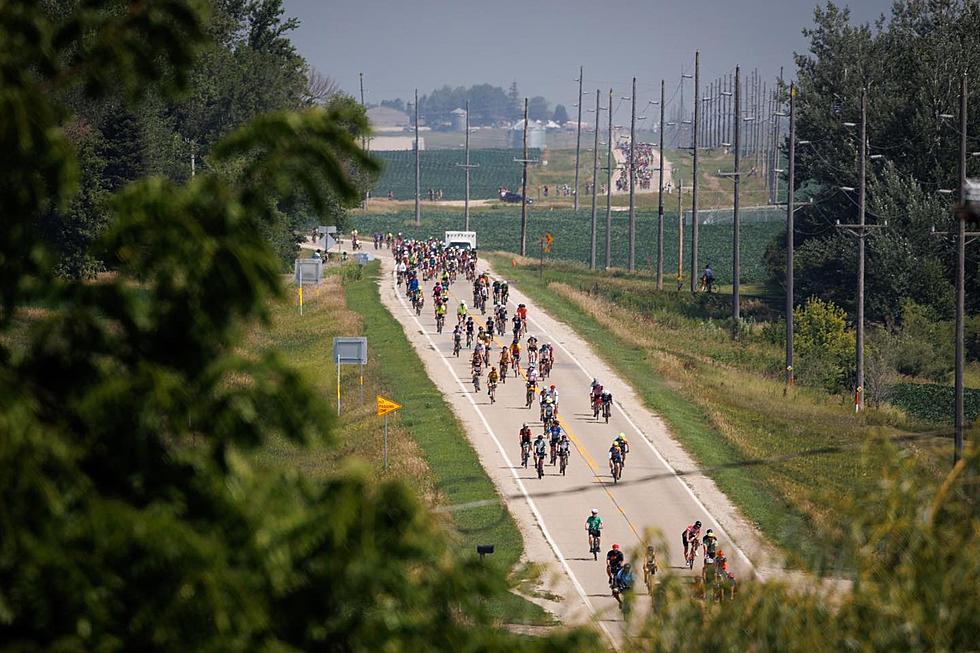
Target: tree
<point>910,63</point>
<point>135,513</point>
<point>537,108</point>
<point>561,115</point>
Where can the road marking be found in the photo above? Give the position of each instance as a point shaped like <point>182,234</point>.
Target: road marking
<point>513,470</point>
<point>650,444</point>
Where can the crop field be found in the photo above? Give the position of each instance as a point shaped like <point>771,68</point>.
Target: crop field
<point>499,229</point>
<point>440,171</point>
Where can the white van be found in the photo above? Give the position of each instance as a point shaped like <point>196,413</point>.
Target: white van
<point>461,239</point>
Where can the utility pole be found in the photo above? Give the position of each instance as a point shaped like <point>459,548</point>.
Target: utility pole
<point>660,198</point>
<point>595,179</point>
<point>632,177</point>
<point>524,188</point>
<point>578,138</point>
<point>860,231</point>
<point>694,186</point>
<point>609,169</point>
<point>790,234</point>
<point>467,167</point>
<point>680,234</point>
<point>736,236</point>
<point>958,418</point>
<point>364,141</point>
<point>418,165</point>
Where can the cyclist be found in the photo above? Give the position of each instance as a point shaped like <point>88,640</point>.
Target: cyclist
<point>615,456</point>
<point>492,378</point>
<point>540,449</point>
<point>490,326</point>
<point>525,434</point>
<point>622,582</point>
<point>515,354</point>
<point>710,542</point>
<point>532,349</point>
<point>624,446</point>
<point>469,331</point>
<point>457,338</point>
<point>564,445</point>
<point>440,309</point>
<point>504,362</point>
<point>532,375</point>
<point>413,284</point>
<point>504,292</point>
<point>593,526</point>
<point>614,561</point>
<point>461,312</point>
<point>606,399</point>
<point>552,393</point>
<point>690,534</point>
<point>517,326</point>
<point>522,314</point>
<point>708,278</point>
<point>595,393</point>
<point>554,431</point>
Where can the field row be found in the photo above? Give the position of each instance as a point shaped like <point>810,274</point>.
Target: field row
<point>440,171</point>
<point>499,230</point>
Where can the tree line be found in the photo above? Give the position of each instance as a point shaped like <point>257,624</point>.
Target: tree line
<point>489,106</point>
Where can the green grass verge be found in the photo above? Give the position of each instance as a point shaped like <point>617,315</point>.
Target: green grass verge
<point>457,473</point>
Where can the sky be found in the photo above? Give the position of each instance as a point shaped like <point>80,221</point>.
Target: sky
<point>403,44</point>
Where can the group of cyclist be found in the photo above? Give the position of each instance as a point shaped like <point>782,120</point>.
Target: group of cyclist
<point>419,261</point>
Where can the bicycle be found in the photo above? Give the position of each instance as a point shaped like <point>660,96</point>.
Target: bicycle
<point>562,461</point>
<point>469,339</point>
<point>492,391</point>
<point>692,552</point>
<point>525,453</point>
<point>617,471</point>
<point>594,546</point>
<point>476,381</point>
<point>554,453</point>
<point>530,396</point>
<point>539,463</point>
<point>503,372</point>
<point>596,406</point>
<point>440,320</point>
<point>606,410</point>
<point>456,347</point>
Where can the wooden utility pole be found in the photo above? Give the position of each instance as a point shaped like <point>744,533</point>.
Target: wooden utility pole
<point>595,179</point>
<point>660,198</point>
<point>418,165</point>
<point>680,234</point>
<point>736,236</point>
<point>631,163</point>
<point>958,417</point>
<point>578,139</point>
<point>609,169</point>
<point>524,188</point>
<point>790,234</point>
<point>694,184</point>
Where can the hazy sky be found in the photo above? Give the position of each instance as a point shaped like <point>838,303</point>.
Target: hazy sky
<point>403,44</point>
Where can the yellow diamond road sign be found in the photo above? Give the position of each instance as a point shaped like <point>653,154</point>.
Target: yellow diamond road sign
<point>386,406</point>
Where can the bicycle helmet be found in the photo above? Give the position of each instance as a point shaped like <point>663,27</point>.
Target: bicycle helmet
<point>697,523</point>
<point>620,437</point>
<point>595,511</point>
<point>615,547</point>
<point>552,386</point>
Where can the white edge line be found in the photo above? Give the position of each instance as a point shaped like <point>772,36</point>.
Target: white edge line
<point>510,466</point>
<point>649,444</point>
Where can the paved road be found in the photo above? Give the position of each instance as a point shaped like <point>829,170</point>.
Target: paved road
<point>651,496</point>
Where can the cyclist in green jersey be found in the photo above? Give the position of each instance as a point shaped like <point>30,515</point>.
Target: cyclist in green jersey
<point>593,525</point>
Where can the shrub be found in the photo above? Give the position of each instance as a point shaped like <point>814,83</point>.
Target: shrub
<point>925,344</point>
<point>824,345</point>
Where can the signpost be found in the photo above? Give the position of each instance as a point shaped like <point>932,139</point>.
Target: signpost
<point>386,406</point>
<point>349,351</point>
<point>546,242</point>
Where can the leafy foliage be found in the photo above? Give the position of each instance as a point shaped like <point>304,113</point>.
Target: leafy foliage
<point>134,515</point>
<point>933,402</point>
<point>824,345</point>
<point>440,171</point>
<point>910,64</point>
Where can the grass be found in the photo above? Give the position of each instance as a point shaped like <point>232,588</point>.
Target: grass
<point>725,402</point>
<point>428,446</point>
